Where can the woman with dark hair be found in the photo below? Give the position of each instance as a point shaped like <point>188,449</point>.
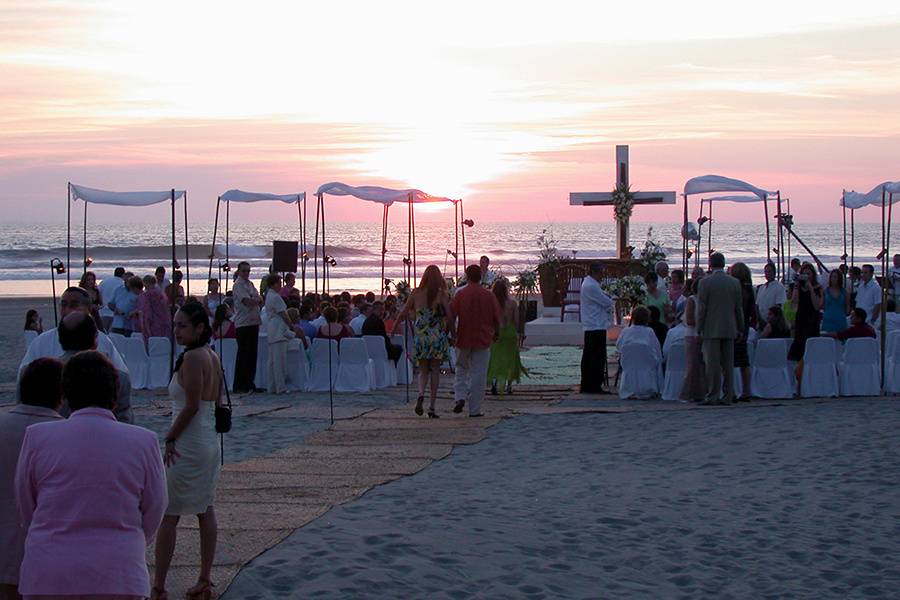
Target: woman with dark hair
<point>279,331</point>
<point>741,272</point>
<point>505,365</point>
<point>222,325</point>
<point>91,493</point>
<point>776,325</point>
<point>658,298</point>
<point>33,321</point>
<point>837,304</point>
<point>154,313</point>
<point>192,450</point>
<point>807,299</point>
<point>430,306</point>
<point>333,329</point>
<point>694,387</point>
<point>88,283</point>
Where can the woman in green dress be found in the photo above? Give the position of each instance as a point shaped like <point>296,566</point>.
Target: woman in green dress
<point>506,365</point>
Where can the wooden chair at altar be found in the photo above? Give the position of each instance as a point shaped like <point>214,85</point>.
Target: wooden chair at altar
<point>569,279</point>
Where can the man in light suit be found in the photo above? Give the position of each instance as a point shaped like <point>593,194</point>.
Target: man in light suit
<point>719,324</point>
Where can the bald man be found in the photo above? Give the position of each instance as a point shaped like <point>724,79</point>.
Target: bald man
<point>47,345</point>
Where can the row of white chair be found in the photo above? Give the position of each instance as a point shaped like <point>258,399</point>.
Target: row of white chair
<point>149,366</point>
<point>830,370</point>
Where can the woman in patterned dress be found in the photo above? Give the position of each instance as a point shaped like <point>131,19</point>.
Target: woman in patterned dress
<point>429,305</point>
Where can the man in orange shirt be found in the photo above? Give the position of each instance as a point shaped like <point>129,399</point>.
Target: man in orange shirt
<point>477,315</point>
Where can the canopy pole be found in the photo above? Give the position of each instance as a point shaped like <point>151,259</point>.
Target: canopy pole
<point>780,239</point>
<point>187,248</point>
<point>882,324</point>
<point>456,238</point>
<point>789,237</point>
<point>172,297</point>
<point>844,218</point>
<point>408,265</point>
<point>227,245</point>
<point>852,237</point>
<point>687,244</point>
<point>326,283</point>
<point>709,247</point>
<point>69,234</point>
<point>768,230</point>
<point>84,241</point>
<point>462,227</point>
<point>212,251</point>
<point>316,247</point>
<point>302,248</point>
<point>412,213</point>
<point>684,242</point>
<point>384,225</point>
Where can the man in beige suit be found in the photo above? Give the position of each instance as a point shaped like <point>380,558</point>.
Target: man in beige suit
<point>718,325</point>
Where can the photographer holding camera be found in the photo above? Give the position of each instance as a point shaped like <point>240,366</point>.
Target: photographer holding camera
<point>807,299</point>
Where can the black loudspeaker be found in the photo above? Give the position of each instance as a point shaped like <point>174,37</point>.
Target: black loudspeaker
<point>284,257</point>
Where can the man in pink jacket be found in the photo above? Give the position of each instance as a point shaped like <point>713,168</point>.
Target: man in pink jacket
<point>91,492</point>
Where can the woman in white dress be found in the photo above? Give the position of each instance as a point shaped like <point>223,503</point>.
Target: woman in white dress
<point>279,331</point>
<point>192,450</point>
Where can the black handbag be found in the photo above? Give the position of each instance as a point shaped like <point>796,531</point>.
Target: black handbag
<point>223,412</point>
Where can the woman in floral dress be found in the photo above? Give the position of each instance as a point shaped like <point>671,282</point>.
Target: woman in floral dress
<point>429,305</point>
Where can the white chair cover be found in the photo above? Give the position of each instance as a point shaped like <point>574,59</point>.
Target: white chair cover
<point>383,367</point>
<point>355,373</point>
<point>27,338</point>
<point>226,348</point>
<point>158,374</point>
<point>320,365</point>
<point>118,341</point>
<point>404,365</point>
<point>676,370</point>
<point>137,361</point>
<point>860,369</point>
<point>298,367</point>
<point>262,362</point>
<point>892,365</point>
<point>820,378</point>
<point>771,375</point>
<point>641,372</point>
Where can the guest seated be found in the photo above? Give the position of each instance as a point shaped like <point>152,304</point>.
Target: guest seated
<point>776,326</point>
<point>306,313</point>
<point>91,493</point>
<point>858,327</point>
<point>674,336</point>
<point>639,332</point>
<point>333,329</point>
<point>375,325</point>
<point>33,322</point>
<point>41,398</point>
<point>223,325</point>
<point>356,323</point>
<point>294,317</point>
<point>658,328</point>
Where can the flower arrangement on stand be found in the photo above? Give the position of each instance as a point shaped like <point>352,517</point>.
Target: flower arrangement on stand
<point>628,292</point>
<point>652,252</point>
<point>549,260</point>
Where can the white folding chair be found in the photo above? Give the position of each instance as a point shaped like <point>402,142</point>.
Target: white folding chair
<point>226,348</point>
<point>641,372</point>
<point>321,362</point>
<point>676,371</point>
<point>262,363</point>
<point>820,378</point>
<point>355,373</point>
<point>892,365</point>
<point>383,367</point>
<point>404,365</point>
<point>137,361</point>
<point>158,374</point>
<point>771,375</point>
<point>861,368</point>
<point>298,367</point>
<point>118,341</point>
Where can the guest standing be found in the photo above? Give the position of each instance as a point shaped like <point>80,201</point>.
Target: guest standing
<point>246,323</point>
<point>477,316</point>
<point>108,288</point>
<point>837,304</point>
<point>429,305</point>
<point>505,366</point>
<point>694,387</point>
<point>659,330</point>
<point>124,306</point>
<point>657,297</point>
<point>719,323</point>
<point>223,325</point>
<point>91,493</point>
<point>153,312</point>
<point>33,321</point>
<point>279,331</point>
<point>769,294</point>
<point>213,298</point>
<point>41,398</point>
<point>192,450</point>
<point>162,282</point>
<point>807,299</point>
<point>868,295</point>
<point>88,283</point>
<point>288,289</point>
<point>175,291</point>
<point>741,272</point>
<point>596,311</point>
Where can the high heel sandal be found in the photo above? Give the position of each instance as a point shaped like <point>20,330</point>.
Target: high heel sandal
<point>158,593</point>
<point>432,414</point>
<point>419,402</point>
<point>203,590</point>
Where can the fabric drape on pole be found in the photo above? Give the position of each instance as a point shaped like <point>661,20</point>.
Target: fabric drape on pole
<point>95,196</point>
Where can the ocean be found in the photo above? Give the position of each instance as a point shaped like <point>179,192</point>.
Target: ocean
<point>26,250</point>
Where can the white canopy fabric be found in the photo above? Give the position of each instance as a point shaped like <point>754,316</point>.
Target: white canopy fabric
<point>854,200</point>
<point>716,183</point>
<point>95,196</point>
<point>242,196</point>
<point>733,199</point>
<point>382,195</point>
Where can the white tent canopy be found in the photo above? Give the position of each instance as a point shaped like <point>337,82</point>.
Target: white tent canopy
<point>382,195</point>
<point>242,196</point>
<point>854,200</point>
<point>716,183</point>
<point>741,199</point>
<point>95,196</point>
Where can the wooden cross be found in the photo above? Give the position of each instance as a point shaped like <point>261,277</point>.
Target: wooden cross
<point>606,199</point>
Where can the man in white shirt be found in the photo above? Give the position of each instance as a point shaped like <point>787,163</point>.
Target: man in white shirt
<point>868,296</point>
<point>662,272</point>
<point>47,344</point>
<point>356,323</point>
<point>108,289</point>
<point>892,318</point>
<point>247,303</point>
<point>769,294</point>
<point>596,317</point>
<point>894,277</point>
<point>488,277</point>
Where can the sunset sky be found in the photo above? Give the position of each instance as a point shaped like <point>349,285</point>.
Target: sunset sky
<point>509,104</point>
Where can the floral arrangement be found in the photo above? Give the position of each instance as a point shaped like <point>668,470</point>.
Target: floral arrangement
<point>547,250</point>
<point>403,290</point>
<point>526,282</point>
<point>652,252</point>
<point>628,290</point>
<point>623,203</point>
